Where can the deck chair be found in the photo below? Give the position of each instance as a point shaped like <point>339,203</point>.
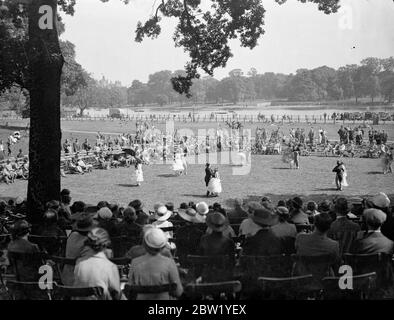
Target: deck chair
<point>131,291</point>
<point>67,293</point>
<point>362,287</point>
<point>289,288</point>
<point>216,290</point>
<point>19,290</point>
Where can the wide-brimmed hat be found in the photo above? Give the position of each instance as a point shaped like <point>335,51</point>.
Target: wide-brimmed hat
<point>374,216</point>
<point>265,217</point>
<point>202,211</point>
<point>216,221</point>
<point>155,238</point>
<point>324,206</point>
<point>136,204</point>
<point>84,223</point>
<point>162,213</point>
<point>189,215</point>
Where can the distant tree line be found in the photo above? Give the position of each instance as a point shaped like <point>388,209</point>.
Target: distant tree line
<point>372,78</point>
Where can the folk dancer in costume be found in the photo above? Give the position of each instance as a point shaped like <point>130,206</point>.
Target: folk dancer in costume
<point>296,155</point>
<point>288,157</point>
<point>215,184</point>
<point>341,175</point>
<point>388,161</point>
<point>208,176</point>
<point>139,174</point>
<point>177,166</point>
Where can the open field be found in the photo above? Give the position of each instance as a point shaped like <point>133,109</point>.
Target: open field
<point>268,176</point>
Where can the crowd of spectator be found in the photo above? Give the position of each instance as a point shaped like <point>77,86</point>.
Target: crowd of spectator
<point>158,242</point>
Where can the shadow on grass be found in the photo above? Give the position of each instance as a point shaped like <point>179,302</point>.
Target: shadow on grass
<point>127,185</point>
<point>326,189</point>
<point>167,175</point>
<point>374,172</point>
<point>282,168</point>
<point>195,196</point>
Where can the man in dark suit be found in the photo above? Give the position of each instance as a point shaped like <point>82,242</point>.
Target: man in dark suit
<point>208,175</point>
<point>373,241</point>
<point>342,229</point>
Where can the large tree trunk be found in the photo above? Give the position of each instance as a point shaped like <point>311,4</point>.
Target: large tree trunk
<point>45,63</point>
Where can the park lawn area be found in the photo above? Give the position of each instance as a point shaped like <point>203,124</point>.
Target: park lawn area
<point>268,176</point>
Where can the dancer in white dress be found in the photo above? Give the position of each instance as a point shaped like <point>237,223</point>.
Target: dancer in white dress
<point>139,174</point>
<point>215,184</point>
<point>341,175</point>
<point>177,166</point>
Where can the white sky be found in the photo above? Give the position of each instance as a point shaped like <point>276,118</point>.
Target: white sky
<point>297,36</point>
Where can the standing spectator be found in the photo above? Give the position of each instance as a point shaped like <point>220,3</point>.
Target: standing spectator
<point>76,146</point>
<point>86,145</point>
<point>2,153</point>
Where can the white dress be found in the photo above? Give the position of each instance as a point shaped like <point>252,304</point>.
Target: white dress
<point>178,163</point>
<point>215,185</point>
<point>139,175</point>
<point>344,180</point>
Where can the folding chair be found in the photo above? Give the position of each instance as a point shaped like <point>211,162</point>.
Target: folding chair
<point>253,267</point>
<point>26,265</point>
<point>122,244</point>
<point>362,286</point>
<point>59,263</point>
<point>228,289</point>
<point>289,288</point>
<point>19,290</point>
<point>131,291</point>
<point>318,266</point>
<point>67,293</point>
<point>51,245</point>
<point>380,263</point>
<point>123,265</point>
<point>211,268</point>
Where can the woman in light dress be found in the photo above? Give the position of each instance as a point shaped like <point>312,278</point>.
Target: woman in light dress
<point>139,174</point>
<point>177,166</point>
<point>215,184</point>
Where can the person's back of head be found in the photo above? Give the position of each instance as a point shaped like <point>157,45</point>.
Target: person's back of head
<point>341,206</point>
<point>98,239</point>
<point>323,222</point>
<point>374,218</point>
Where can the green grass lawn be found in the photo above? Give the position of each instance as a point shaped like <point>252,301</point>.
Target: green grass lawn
<point>268,176</point>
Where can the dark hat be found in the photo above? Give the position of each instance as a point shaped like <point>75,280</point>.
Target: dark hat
<point>84,223</point>
<point>189,215</point>
<point>341,205</point>
<point>136,204</point>
<point>297,202</point>
<point>265,217</point>
<point>325,206</point>
<point>65,192</point>
<point>20,228</point>
<point>183,206</point>
<point>216,221</point>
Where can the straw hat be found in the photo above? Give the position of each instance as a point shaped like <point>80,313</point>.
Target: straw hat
<point>189,215</point>
<point>162,213</point>
<point>155,238</point>
<point>202,211</point>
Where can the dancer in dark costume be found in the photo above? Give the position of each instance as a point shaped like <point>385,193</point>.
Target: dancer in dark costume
<point>208,176</point>
<point>340,177</point>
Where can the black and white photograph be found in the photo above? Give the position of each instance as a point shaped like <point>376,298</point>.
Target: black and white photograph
<point>204,151</point>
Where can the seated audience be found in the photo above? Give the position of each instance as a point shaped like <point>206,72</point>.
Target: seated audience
<point>153,268</point>
<point>97,270</point>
